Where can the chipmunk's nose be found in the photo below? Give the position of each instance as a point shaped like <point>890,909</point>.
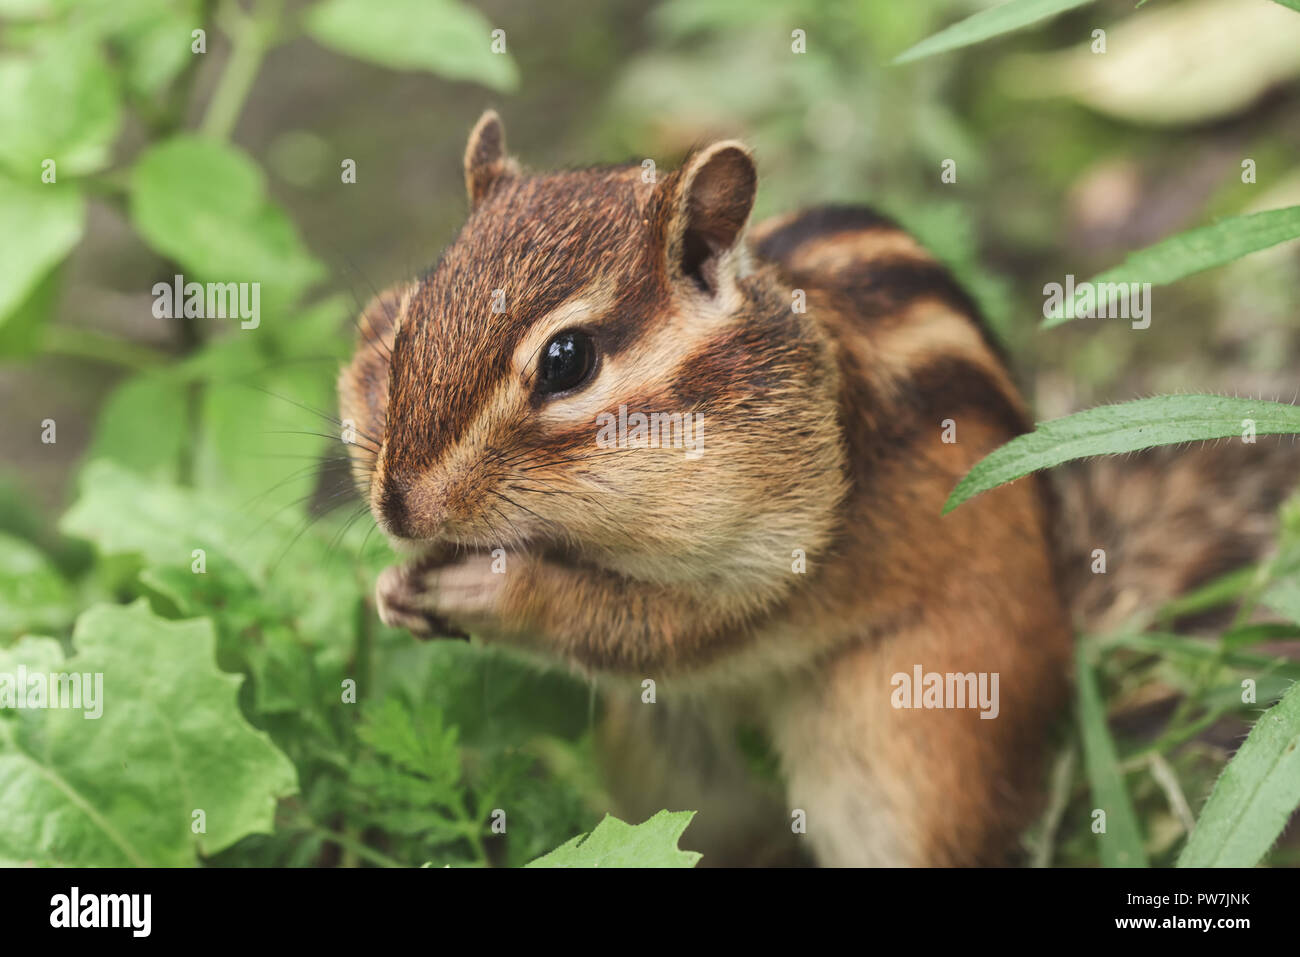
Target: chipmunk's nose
<point>405,508</point>
<point>394,514</point>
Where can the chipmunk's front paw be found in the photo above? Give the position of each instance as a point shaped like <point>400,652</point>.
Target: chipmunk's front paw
<point>446,600</point>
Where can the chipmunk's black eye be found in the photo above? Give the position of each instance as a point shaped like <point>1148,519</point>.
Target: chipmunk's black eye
<point>567,362</point>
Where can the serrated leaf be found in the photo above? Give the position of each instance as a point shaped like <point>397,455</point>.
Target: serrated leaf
<point>413,781</point>
<point>1121,844</point>
<point>42,222</point>
<point>1196,250</point>
<point>1126,427</point>
<point>122,789</point>
<point>441,36</point>
<point>988,23</point>
<point>204,204</point>
<point>417,742</point>
<point>616,843</point>
<point>1254,797</point>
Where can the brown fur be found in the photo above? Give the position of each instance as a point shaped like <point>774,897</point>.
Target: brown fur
<point>822,440</point>
<point>1169,520</point>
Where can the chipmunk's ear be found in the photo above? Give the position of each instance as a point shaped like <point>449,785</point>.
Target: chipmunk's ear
<point>485,157</point>
<point>713,195</point>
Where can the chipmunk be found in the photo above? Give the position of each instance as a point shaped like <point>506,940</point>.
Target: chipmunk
<point>786,571</point>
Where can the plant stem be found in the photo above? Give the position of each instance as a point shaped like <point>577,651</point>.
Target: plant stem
<point>354,846</point>
<point>1058,801</point>
<point>82,343</point>
<point>250,37</point>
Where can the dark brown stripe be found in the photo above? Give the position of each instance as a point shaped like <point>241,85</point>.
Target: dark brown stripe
<point>884,289</point>
<point>817,223</point>
<point>948,386</point>
<point>879,287</point>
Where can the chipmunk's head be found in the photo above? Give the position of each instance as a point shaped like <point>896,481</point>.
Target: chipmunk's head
<point>590,367</point>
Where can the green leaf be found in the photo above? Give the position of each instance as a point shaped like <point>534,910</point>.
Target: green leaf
<point>204,204</point>
<point>124,514</point>
<point>1126,427</point>
<point>249,427</point>
<point>158,399</point>
<point>42,224</point>
<point>416,742</point>
<point>441,36</point>
<point>495,698</point>
<point>546,802</point>
<point>300,577</point>
<point>1254,797</point>
<point>1121,844</point>
<point>154,37</point>
<point>1284,598</point>
<point>425,768</point>
<point>23,329</point>
<point>59,102</point>
<point>1194,251</point>
<point>616,843</point>
<point>33,595</point>
<point>1292,4</point>
<point>149,39</point>
<point>122,789</point>
<point>988,23</point>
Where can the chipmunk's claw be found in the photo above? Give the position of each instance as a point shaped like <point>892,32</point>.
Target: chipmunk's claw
<point>399,607</point>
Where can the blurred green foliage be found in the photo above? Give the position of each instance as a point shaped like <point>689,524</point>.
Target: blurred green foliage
<point>206,155</point>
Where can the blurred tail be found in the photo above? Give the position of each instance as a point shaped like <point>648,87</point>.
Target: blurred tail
<point>1164,521</point>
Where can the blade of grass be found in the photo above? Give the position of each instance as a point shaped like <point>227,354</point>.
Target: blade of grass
<point>1126,427</point>
<point>1202,651</point>
<point>1213,594</point>
<point>1248,635</point>
<point>1121,844</point>
<point>988,23</point>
